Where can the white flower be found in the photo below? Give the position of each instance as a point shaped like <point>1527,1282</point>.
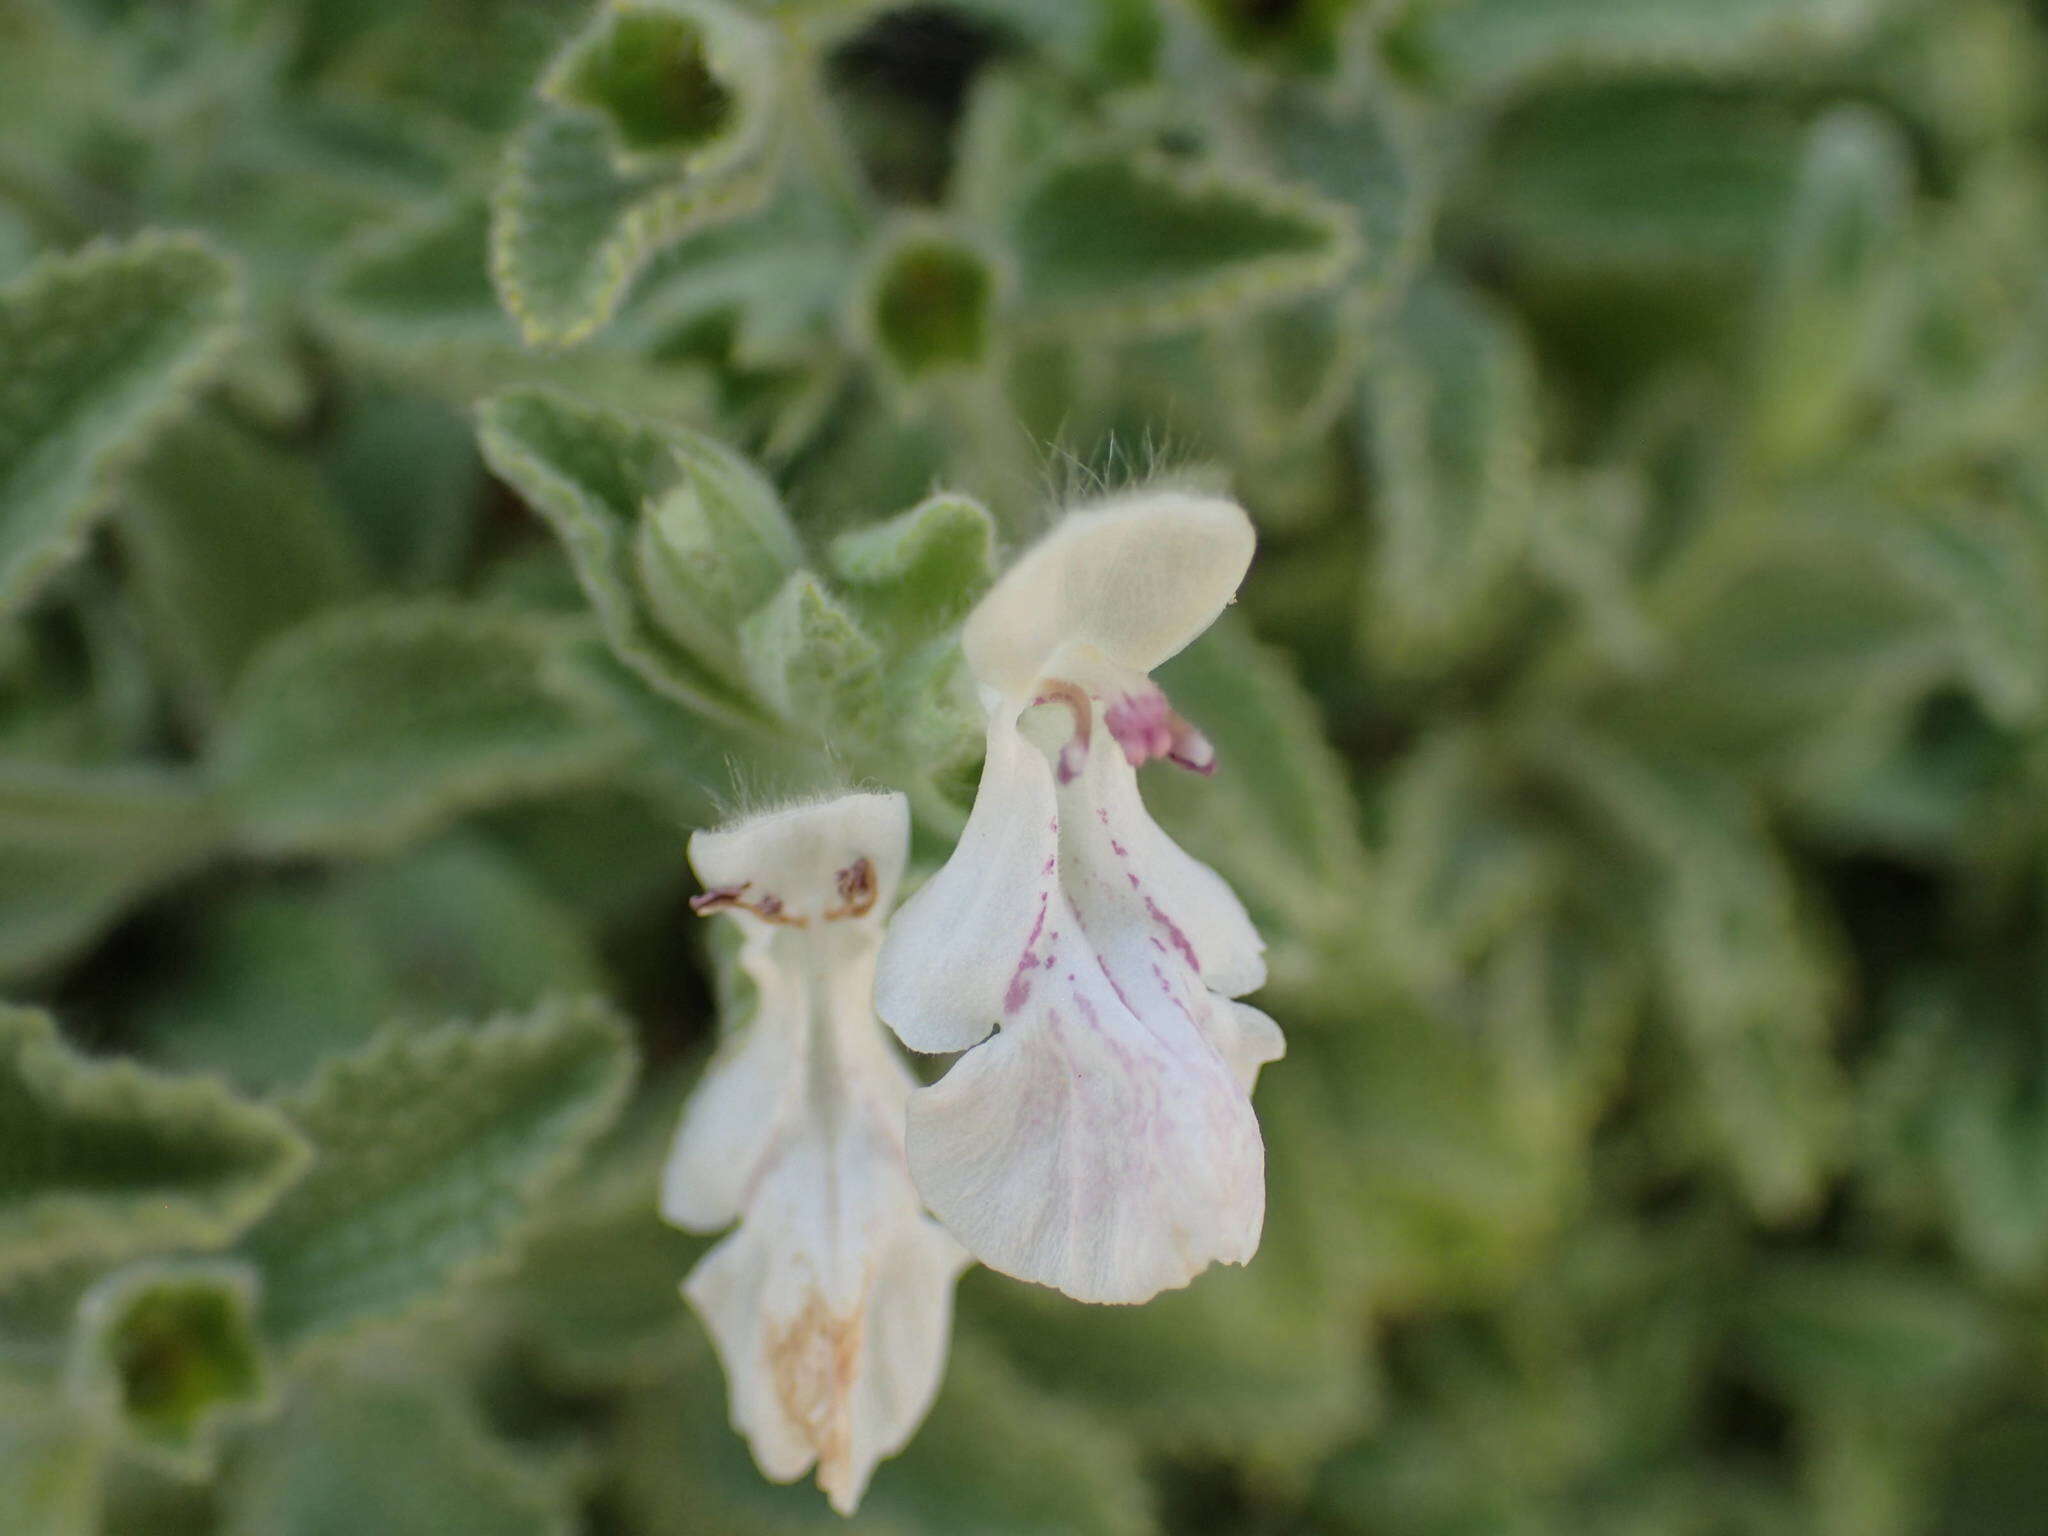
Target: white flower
<point>831,1304</point>
<point>1102,1141</point>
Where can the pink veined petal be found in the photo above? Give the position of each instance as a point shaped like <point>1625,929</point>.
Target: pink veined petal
<point>1189,906</point>
<point>954,949</point>
<point>1087,1148</point>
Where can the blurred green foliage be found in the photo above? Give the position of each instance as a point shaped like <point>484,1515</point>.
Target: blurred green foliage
<point>451,448</point>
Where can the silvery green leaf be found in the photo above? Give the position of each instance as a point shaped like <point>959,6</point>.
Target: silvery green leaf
<point>1309,38</point>
<point>1498,42</point>
<point>926,307</point>
<point>403,471</point>
<point>434,1147</point>
<point>228,541</point>
<point>712,548</point>
<point>1367,148</point>
<point>453,928</point>
<point>596,477</point>
<point>1835,310</point>
<point>815,665</point>
<point>1752,990</point>
<point>595,1290</point>
<point>1110,244</point>
<point>400,1452</point>
<point>50,1468</point>
<point>1450,426</point>
<point>79,845</point>
<point>96,349</point>
<point>678,84</point>
<point>918,572</point>
<point>1459,871</point>
<point>413,300</point>
<point>1663,183</point>
<point>1867,1334</point>
<point>570,231</point>
<point>369,726</point>
<point>164,1353</point>
<point>103,1159</point>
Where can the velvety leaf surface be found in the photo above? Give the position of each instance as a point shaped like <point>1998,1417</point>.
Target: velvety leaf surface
<point>389,1451</point>
<point>78,845</point>
<point>433,1146</point>
<point>95,349</point>
<point>1132,244</point>
<point>105,1158</point>
<point>368,727</point>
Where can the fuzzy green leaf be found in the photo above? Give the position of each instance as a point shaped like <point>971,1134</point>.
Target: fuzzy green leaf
<point>163,1354</point>
<point>79,845</point>
<point>597,477</point>
<point>50,1466</point>
<point>95,350</point>
<point>712,548</point>
<point>570,231</point>
<point>1119,243</point>
<point>452,929</point>
<point>927,305</point>
<point>105,1159</point>
<point>367,727</point>
<point>672,80</point>
<point>1491,42</point>
<point>414,299</point>
<point>920,571</point>
<point>395,1452</point>
<point>228,542</point>
<point>1659,182</point>
<point>1450,424</point>
<point>434,1147</point>
<point>1835,312</point>
<point>814,664</point>
<point>1752,990</point>
<point>1867,1335</point>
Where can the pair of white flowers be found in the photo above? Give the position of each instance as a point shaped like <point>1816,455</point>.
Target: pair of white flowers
<point>1097,1135</point>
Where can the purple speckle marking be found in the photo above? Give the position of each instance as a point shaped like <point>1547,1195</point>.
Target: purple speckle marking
<point>1019,991</point>
<point>1174,936</point>
<point>1110,977</point>
<point>1119,849</point>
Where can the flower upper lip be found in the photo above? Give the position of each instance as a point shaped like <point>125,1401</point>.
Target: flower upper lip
<point>1128,582</point>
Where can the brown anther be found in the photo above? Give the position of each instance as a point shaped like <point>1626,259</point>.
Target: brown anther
<point>1075,752</point>
<point>767,907</point>
<point>856,890</point>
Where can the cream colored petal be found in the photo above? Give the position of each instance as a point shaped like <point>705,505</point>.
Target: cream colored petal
<point>955,949</point>
<point>1107,1153</point>
<point>1137,577</point>
<point>831,1310</point>
<point>802,856</point>
<point>746,1101</point>
<point>1247,1039</point>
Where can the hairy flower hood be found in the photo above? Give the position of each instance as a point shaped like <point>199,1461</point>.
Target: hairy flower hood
<point>831,1303</point>
<point>1102,1139</point>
